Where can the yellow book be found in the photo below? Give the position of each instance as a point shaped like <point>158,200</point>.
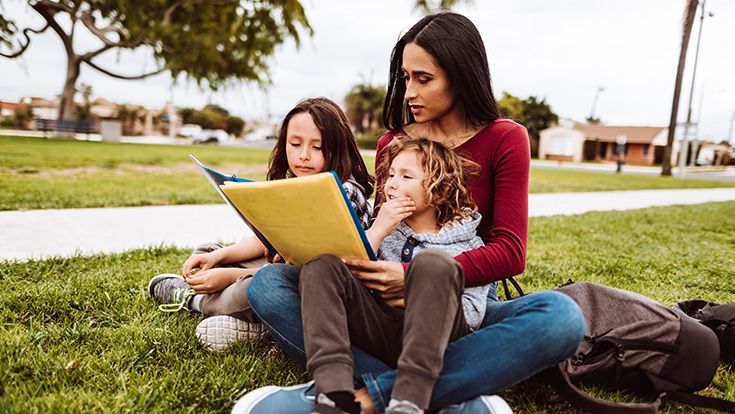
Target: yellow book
<point>298,217</point>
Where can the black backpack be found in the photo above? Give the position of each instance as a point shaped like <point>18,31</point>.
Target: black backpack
<point>719,318</point>
<point>636,344</point>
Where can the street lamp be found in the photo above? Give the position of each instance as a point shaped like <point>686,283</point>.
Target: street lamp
<point>684,139</point>
<point>594,103</point>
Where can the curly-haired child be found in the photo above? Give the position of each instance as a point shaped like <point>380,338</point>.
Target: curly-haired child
<point>425,204</point>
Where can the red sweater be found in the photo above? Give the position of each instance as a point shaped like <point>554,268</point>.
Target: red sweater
<point>501,194</point>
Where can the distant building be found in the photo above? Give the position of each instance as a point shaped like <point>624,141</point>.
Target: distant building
<point>575,141</point>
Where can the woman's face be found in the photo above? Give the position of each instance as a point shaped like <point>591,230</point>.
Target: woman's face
<point>428,91</point>
<point>304,146</point>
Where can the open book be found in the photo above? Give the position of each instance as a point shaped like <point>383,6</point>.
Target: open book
<point>298,218</point>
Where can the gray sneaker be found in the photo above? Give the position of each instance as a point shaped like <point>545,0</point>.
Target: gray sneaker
<point>402,407</point>
<point>218,333</point>
<point>171,291</point>
<point>484,404</point>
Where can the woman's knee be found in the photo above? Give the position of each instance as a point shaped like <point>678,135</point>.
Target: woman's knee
<point>271,285</point>
<point>563,319</point>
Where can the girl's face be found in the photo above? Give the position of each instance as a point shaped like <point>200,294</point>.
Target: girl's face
<point>406,179</point>
<point>304,146</point>
<point>428,91</point>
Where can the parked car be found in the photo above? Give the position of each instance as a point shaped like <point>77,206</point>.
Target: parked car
<point>189,130</point>
<point>210,136</point>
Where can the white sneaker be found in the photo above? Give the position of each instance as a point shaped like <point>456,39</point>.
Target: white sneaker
<point>485,404</point>
<point>218,333</point>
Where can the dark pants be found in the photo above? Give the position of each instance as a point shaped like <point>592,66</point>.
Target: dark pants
<point>233,300</point>
<point>338,311</point>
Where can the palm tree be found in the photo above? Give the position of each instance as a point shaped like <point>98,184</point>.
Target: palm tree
<point>689,12</point>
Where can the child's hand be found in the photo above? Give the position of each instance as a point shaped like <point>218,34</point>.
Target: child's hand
<point>203,261</point>
<point>215,280</point>
<point>391,213</point>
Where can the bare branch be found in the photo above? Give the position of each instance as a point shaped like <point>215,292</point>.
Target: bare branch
<point>124,77</point>
<point>88,19</point>
<point>28,41</point>
<point>47,9</point>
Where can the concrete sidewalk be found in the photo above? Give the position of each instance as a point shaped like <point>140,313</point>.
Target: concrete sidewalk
<point>45,233</point>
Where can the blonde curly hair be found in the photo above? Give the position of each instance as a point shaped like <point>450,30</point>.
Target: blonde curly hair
<point>447,176</point>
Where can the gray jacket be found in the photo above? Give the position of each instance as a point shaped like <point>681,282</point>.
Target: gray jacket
<point>454,238</point>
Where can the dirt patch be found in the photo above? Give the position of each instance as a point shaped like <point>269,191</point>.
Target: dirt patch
<point>122,169</point>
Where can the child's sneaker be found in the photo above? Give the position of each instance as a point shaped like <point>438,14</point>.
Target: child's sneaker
<point>485,404</point>
<point>218,333</point>
<point>402,407</point>
<point>171,291</point>
<point>298,399</point>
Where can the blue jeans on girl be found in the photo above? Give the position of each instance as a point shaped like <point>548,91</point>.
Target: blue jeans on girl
<point>516,340</point>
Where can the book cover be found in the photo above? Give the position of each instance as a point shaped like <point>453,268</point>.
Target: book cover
<point>299,217</point>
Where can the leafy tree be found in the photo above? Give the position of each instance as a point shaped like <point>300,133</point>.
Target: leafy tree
<point>128,114</point>
<point>428,6</point>
<point>85,111</point>
<point>364,106</point>
<point>213,117</point>
<point>212,41</point>
<point>593,120</point>
<point>536,115</point>
<point>235,125</point>
<point>22,115</point>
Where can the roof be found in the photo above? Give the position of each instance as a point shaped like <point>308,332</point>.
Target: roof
<point>610,133</point>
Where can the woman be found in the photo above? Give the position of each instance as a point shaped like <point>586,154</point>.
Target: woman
<point>440,87</point>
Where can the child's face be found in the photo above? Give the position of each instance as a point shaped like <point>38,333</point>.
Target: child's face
<point>406,179</point>
<point>304,146</point>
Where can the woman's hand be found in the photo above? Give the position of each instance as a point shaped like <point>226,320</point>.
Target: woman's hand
<point>202,261</point>
<point>216,280</point>
<point>391,213</point>
<point>385,278</point>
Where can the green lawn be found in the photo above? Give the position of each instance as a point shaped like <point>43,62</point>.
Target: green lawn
<point>38,173</point>
<point>81,334</point>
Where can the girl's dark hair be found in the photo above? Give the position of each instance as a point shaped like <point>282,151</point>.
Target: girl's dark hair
<point>338,143</point>
<point>457,47</point>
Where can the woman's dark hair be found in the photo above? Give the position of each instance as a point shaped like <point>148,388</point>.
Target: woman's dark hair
<point>457,47</point>
<point>338,143</point>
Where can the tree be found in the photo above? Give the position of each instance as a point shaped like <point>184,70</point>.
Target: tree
<point>428,6</point>
<point>364,106</point>
<point>213,117</point>
<point>22,115</point>
<point>536,115</point>
<point>689,12</point>
<point>210,41</point>
<point>85,111</point>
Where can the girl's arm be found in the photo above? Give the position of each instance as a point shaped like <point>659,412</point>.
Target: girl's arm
<point>246,249</point>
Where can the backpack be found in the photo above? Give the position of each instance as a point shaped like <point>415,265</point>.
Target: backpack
<point>636,344</point>
<point>719,318</point>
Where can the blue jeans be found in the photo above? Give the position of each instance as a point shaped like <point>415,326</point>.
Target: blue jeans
<point>516,340</point>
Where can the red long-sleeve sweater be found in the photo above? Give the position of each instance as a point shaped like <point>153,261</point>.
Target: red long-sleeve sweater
<point>501,194</point>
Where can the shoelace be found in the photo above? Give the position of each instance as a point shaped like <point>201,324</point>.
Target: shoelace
<point>181,297</point>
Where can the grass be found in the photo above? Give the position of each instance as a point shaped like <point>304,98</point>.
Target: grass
<point>80,334</point>
<point>40,174</point>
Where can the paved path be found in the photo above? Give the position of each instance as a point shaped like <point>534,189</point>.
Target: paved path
<point>44,233</point>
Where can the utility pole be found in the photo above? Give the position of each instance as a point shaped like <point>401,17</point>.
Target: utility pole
<point>687,124</point>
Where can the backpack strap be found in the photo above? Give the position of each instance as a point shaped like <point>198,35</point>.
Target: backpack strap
<point>587,403</point>
<point>702,401</point>
<point>515,285</point>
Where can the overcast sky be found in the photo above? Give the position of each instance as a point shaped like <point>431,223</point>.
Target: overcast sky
<point>562,50</point>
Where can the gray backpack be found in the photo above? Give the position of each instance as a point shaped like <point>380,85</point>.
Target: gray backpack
<point>636,344</point>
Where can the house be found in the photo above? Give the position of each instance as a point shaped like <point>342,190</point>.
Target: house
<point>7,109</point>
<point>575,141</point>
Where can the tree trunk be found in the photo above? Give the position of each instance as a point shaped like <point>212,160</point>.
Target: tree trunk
<point>66,104</point>
<point>689,13</point>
